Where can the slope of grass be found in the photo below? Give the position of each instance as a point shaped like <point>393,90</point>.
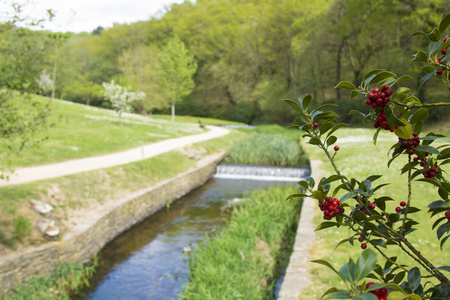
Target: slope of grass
<point>81,131</point>
<point>65,194</point>
<point>239,263</point>
<point>359,158</point>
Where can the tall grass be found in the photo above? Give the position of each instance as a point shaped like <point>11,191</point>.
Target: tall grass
<point>239,263</point>
<point>60,284</point>
<point>267,149</point>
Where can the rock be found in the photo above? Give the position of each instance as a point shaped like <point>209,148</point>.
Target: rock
<point>41,207</point>
<point>48,227</point>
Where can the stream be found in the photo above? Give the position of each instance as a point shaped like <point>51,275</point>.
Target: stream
<point>147,261</point>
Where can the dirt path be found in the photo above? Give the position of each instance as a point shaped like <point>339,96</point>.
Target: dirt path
<point>25,175</point>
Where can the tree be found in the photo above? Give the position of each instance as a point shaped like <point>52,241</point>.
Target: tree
<point>22,58</point>
<point>120,97</point>
<point>175,70</point>
<point>361,208</point>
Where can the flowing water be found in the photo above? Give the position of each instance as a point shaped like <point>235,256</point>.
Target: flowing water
<point>147,261</point>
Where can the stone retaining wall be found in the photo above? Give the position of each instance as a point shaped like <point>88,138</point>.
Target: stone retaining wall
<point>83,245</point>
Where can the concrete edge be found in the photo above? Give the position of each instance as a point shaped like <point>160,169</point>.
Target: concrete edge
<point>85,244</point>
<point>297,275</point>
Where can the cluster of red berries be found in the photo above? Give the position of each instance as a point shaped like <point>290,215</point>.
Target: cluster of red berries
<point>410,144</point>
<point>440,71</point>
<point>447,215</point>
<point>379,97</point>
<point>429,171</point>
<point>380,293</point>
<point>367,204</point>
<point>330,208</point>
<point>361,239</point>
<point>398,209</point>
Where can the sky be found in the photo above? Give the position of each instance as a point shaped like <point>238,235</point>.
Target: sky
<point>86,15</point>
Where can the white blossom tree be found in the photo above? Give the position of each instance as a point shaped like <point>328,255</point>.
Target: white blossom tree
<point>121,97</point>
<point>45,82</point>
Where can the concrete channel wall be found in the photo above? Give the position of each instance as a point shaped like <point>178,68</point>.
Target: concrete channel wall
<point>88,241</point>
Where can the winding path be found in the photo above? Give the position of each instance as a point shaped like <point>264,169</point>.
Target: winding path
<point>30,174</point>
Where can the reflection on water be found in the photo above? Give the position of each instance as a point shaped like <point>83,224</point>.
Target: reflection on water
<point>147,262</point>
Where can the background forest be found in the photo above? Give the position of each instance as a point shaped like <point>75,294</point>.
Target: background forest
<point>250,54</point>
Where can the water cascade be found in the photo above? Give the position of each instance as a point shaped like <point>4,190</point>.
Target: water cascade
<point>261,172</point>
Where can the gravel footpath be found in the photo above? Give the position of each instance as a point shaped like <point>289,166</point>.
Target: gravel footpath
<point>30,174</point>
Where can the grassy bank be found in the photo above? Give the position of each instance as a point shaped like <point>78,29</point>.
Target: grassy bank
<point>270,145</point>
<point>78,194</point>
<point>59,285</point>
<point>359,158</point>
<point>239,263</point>
<point>81,131</point>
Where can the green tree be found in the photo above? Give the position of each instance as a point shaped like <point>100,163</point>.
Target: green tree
<point>175,69</point>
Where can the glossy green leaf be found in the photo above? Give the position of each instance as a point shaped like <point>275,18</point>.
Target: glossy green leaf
<point>418,33</point>
<point>428,149</point>
<point>367,296</point>
<point>314,141</point>
<point>365,264</point>
<point>375,136</point>
<point>411,100</point>
<point>290,197</point>
<point>442,230</point>
<point>444,240</point>
<point>433,47</point>
<point>345,85</point>
<point>327,264</point>
<point>444,23</point>
<point>434,35</point>
<point>348,271</point>
<point>418,127</point>
<point>294,104</point>
<point>420,56</point>
<point>310,181</point>
<point>333,178</point>
<point>378,242</point>
<point>305,101</point>
<point>425,78</point>
<point>331,140</point>
<point>404,132</point>
<point>323,128</point>
<point>369,75</point>
<point>414,278</point>
<point>391,118</point>
<point>325,225</point>
<point>381,76</point>
<point>439,204</point>
<point>444,268</point>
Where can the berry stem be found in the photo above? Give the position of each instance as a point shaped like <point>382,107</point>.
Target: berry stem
<point>426,105</point>
<point>402,228</point>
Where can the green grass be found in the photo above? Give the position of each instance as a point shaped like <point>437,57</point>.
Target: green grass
<point>59,285</point>
<point>81,131</point>
<point>359,158</point>
<point>239,263</point>
<point>65,194</point>
<point>266,149</point>
<point>193,119</point>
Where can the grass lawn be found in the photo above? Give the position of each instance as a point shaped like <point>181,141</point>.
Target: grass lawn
<point>358,158</point>
<point>81,131</point>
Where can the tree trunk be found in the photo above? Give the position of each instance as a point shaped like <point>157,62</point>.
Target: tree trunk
<point>338,71</point>
<point>173,111</point>
<point>54,77</point>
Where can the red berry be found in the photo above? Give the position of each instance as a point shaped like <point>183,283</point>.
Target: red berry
<point>372,206</point>
<point>336,148</point>
<point>444,51</point>
<point>361,239</point>
<point>439,71</point>
<point>403,203</point>
<point>445,39</point>
<point>398,209</point>
<point>363,246</point>
<point>315,125</point>
<point>375,90</point>
<point>411,151</point>
<point>385,87</point>
<point>368,102</point>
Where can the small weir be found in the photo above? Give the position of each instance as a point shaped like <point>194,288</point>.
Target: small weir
<point>148,261</point>
<point>261,172</point>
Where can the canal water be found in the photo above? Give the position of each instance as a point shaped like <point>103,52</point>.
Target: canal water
<point>148,261</point>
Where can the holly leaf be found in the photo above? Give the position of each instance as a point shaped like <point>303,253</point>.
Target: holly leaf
<point>345,85</point>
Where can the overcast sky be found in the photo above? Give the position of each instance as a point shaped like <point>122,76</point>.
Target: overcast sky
<point>86,15</point>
